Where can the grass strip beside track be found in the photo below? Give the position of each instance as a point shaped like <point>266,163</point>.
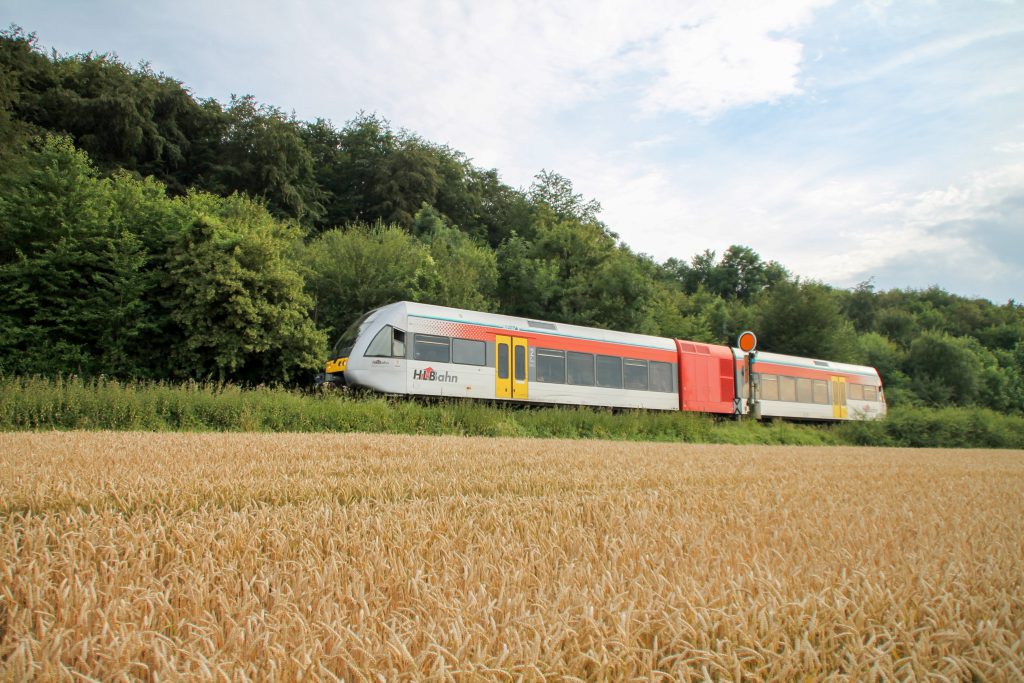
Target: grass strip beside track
<point>35,403</point>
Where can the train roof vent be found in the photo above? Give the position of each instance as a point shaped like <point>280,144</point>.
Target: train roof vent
<point>687,347</point>
<point>822,363</point>
<point>541,326</point>
<point>701,348</point>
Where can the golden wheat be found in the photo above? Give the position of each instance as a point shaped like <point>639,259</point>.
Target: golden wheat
<point>365,557</point>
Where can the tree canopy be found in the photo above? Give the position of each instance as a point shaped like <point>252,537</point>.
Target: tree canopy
<point>147,233</point>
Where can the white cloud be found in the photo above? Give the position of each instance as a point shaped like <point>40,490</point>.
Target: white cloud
<point>841,229</point>
<point>489,77</point>
<point>731,58</point>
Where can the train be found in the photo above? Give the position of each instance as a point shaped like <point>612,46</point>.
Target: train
<point>414,349</point>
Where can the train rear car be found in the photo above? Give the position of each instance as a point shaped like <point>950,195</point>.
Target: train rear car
<point>808,389</point>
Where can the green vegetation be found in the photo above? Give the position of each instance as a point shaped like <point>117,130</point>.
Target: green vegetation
<point>58,403</point>
<point>151,236</point>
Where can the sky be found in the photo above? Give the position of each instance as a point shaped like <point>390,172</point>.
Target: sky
<point>847,140</point>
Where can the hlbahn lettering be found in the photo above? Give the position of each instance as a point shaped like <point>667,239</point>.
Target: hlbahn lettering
<point>430,375</point>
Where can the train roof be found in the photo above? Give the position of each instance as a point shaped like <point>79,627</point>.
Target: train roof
<point>516,323</point>
<point>810,363</point>
<point>546,327</point>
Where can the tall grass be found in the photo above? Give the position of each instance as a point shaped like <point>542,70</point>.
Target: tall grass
<point>36,403</point>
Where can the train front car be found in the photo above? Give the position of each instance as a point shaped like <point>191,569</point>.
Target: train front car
<point>473,354</point>
<point>371,353</point>
<point>426,350</point>
<point>807,389</point>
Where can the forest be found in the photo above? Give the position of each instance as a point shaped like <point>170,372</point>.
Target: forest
<point>149,234</point>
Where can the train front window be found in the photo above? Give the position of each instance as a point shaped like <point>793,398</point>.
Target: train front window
<point>343,347</point>
<point>381,344</point>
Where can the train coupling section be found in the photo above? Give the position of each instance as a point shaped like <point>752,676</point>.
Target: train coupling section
<point>330,380</point>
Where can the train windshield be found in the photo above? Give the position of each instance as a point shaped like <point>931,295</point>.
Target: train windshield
<point>343,347</point>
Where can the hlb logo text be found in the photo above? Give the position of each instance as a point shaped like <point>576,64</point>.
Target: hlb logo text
<point>430,375</point>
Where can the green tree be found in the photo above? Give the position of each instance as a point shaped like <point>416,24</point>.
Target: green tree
<point>897,324</point>
<point>123,117</point>
<point>803,319</point>
<point>556,192</point>
<point>740,274</point>
<point>579,253</point>
<point>497,209</point>
<point>676,315</point>
<point>943,369</point>
<point>408,177</point>
<point>19,64</point>
<point>237,298</point>
<point>71,278</point>
<point>355,270</point>
<point>859,306</point>
<point>621,295</point>
<point>465,273</point>
<point>880,353</point>
<point>527,285</point>
<point>263,155</point>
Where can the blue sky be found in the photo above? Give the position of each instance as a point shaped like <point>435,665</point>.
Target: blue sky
<point>847,140</point>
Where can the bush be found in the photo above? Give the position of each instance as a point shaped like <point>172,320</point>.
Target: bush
<point>938,428</point>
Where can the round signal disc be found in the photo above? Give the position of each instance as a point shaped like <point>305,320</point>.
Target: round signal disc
<point>747,342</point>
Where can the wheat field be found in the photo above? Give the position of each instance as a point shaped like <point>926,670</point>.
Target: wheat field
<point>235,557</point>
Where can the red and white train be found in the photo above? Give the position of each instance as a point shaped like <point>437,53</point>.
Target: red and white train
<point>423,350</point>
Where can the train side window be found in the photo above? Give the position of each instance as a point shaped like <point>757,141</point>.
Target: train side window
<point>581,369</point>
<point>381,345</point>
<point>870,393</point>
<point>821,391</point>
<point>520,365</point>
<point>769,387</point>
<point>431,348</point>
<point>609,372</point>
<point>787,388</point>
<point>469,352</point>
<point>804,390</point>
<point>855,392</point>
<point>502,361</point>
<point>634,374</point>
<point>398,344</point>
<point>661,376</point>
<point>550,366</point>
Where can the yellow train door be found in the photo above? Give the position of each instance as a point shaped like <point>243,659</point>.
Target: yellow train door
<point>511,369</point>
<point>839,398</point>
<point>503,366</point>
<point>520,369</point>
